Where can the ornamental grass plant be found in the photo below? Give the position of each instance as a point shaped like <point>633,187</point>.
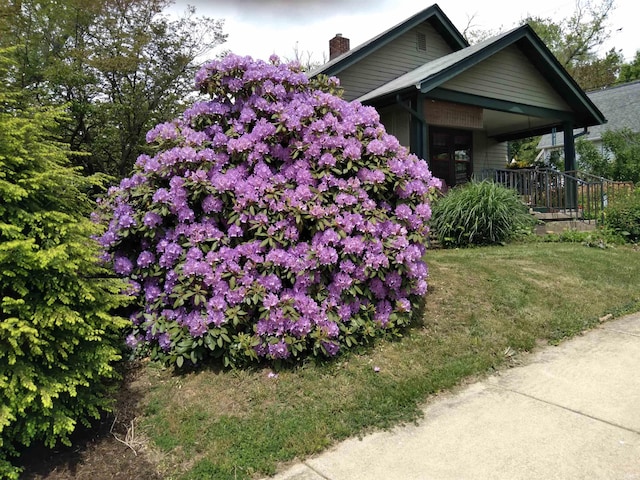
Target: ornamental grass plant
<point>479,213</point>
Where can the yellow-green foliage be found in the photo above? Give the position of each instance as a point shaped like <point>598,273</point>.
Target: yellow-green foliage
<point>58,341</point>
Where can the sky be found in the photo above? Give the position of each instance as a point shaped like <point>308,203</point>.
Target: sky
<point>260,28</point>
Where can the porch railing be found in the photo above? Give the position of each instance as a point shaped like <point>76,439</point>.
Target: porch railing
<point>577,194</point>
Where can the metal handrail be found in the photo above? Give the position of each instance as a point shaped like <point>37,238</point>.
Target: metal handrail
<point>580,195</point>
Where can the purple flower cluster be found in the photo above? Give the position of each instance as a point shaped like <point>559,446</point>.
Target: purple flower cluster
<point>275,220</point>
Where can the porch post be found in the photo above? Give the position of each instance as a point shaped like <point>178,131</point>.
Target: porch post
<point>423,129</point>
<point>571,191</point>
<point>419,140</point>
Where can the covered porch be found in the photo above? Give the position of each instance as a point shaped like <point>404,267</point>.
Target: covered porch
<point>459,111</point>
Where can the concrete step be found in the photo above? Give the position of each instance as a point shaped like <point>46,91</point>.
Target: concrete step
<point>559,226</point>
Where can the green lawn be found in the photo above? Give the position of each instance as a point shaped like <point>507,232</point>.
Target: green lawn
<point>483,305</point>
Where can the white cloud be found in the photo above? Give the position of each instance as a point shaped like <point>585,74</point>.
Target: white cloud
<point>262,27</point>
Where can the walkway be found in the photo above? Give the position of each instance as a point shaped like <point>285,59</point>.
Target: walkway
<point>572,412</point>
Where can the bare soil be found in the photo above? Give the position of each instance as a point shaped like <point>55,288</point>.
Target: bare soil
<point>110,450</point>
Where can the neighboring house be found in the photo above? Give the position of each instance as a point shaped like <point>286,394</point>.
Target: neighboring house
<point>621,106</point>
<point>456,105</point>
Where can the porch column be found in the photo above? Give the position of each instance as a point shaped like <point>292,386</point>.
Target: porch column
<point>571,191</point>
<point>419,139</point>
<point>424,132</point>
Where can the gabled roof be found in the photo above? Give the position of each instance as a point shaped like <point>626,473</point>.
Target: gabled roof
<point>435,73</point>
<point>621,106</point>
<point>434,14</point>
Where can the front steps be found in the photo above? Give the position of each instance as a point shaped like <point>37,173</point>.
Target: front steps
<point>558,222</point>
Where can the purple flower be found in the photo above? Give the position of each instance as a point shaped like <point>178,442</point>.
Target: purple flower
<point>270,300</point>
<point>353,245</point>
<point>342,280</point>
<point>151,219</point>
<point>162,195</point>
<point>145,259</point>
<point>151,291</point>
<point>164,340</point>
<point>235,231</point>
<point>122,265</point>
<point>327,255</point>
<point>278,350</point>
<point>331,348</point>
<point>403,211</point>
<point>132,340</point>
<point>376,147</point>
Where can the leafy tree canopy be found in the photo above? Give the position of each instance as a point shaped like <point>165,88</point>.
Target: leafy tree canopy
<point>619,160</point>
<point>575,42</point>
<point>119,66</point>
<point>630,71</point>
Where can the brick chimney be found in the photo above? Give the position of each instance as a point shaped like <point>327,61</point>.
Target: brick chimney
<point>337,46</point>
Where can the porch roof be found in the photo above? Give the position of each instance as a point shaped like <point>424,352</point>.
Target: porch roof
<point>428,77</point>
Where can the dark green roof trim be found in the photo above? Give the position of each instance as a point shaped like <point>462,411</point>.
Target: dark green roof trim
<point>534,48</point>
<point>432,75</point>
<point>499,105</point>
<point>534,132</point>
<point>433,14</point>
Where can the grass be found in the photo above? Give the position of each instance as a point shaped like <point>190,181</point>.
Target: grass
<point>483,304</point>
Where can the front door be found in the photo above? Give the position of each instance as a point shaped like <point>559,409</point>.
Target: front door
<point>451,155</point>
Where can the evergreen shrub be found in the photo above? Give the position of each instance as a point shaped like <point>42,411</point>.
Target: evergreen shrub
<point>59,343</point>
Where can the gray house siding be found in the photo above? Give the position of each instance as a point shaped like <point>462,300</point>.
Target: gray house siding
<point>509,76</point>
<point>392,61</point>
<point>487,153</point>
<point>396,121</point>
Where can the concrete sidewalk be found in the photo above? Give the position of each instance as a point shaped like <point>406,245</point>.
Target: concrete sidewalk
<point>572,412</point>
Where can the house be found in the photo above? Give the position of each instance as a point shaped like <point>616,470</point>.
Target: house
<point>456,105</point>
<point>620,104</point>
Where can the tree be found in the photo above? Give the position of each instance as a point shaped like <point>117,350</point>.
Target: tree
<point>630,71</point>
<point>59,340</point>
<point>620,159</point>
<point>305,59</point>
<point>599,72</point>
<point>120,66</point>
<point>575,41</point>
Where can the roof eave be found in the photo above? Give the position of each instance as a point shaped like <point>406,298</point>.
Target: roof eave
<point>557,75</point>
<point>440,21</point>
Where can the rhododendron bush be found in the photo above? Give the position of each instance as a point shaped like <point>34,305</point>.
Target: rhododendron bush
<point>275,220</point>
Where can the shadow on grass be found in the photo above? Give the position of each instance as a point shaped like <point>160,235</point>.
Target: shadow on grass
<point>95,453</point>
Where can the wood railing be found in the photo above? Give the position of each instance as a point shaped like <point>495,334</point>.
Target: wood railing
<point>579,194</point>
